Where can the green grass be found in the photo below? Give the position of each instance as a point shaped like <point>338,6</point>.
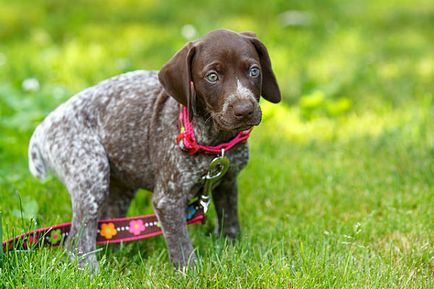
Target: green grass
<point>339,192</point>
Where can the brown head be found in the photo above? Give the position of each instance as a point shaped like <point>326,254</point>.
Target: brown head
<point>222,75</point>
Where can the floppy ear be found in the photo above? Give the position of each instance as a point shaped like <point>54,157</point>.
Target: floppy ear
<point>248,33</point>
<point>270,88</point>
<point>175,76</point>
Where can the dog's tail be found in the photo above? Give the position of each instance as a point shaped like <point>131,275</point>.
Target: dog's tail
<point>37,164</point>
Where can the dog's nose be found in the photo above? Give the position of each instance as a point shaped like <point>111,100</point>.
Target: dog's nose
<point>243,109</point>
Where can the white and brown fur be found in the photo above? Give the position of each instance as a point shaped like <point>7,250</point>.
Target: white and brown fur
<point>109,140</point>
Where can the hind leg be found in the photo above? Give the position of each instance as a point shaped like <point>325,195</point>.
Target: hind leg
<point>117,204</point>
<point>118,201</point>
<point>85,172</point>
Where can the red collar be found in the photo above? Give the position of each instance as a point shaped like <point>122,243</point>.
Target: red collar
<point>187,141</point>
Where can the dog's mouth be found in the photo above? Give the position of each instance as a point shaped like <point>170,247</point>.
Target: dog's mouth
<point>236,126</point>
<point>244,127</point>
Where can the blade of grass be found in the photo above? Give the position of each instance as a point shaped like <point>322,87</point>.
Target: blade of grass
<point>1,240</point>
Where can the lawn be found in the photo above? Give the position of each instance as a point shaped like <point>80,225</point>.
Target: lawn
<point>339,191</point>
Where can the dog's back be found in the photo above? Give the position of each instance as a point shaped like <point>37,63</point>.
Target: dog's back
<point>97,110</point>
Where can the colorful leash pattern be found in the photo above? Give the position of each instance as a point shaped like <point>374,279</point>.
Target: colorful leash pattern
<point>109,231</point>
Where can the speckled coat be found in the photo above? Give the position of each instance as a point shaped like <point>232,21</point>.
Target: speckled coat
<point>118,136</point>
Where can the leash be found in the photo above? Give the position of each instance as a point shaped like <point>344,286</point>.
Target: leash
<point>109,231</point>
<point>119,230</point>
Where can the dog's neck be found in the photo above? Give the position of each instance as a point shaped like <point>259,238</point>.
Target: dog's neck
<point>208,133</point>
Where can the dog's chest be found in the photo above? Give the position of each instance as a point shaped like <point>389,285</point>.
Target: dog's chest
<point>193,169</point>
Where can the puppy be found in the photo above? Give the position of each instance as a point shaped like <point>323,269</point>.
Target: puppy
<point>109,140</point>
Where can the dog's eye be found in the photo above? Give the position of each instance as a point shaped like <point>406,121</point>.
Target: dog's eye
<point>212,77</point>
<point>254,71</point>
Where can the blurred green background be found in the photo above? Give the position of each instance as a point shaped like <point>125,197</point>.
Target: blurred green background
<point>330,57</point>
<point>349,151</point>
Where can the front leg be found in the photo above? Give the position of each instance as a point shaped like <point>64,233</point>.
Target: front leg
<point>170,209</point>
<point>225,197</point>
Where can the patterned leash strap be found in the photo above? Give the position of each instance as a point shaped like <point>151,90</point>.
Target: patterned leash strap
<point>109,231</point>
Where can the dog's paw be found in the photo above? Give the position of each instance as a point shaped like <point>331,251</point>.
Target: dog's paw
<point>182,265</point>
<point>89,262</point>
<point>230,233</point>
<point>86,261</point>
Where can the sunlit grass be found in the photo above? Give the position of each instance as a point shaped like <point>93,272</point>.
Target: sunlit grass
<point>289,124</point>
<point>339,189</point>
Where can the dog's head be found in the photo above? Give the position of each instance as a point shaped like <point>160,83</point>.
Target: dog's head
<point>222,75</point>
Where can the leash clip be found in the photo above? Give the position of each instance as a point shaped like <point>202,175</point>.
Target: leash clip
<point>217,169</point>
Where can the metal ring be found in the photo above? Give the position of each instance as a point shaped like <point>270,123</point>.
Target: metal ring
<point>223,162</point>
